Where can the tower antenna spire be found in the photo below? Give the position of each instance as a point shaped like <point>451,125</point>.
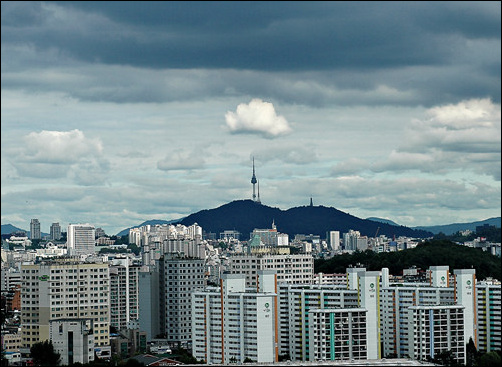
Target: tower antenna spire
<point>254,181</point>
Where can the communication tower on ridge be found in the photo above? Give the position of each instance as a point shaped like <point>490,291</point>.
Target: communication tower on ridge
<point>254,181</point>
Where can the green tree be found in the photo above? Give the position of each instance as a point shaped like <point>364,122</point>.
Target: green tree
<point>472,353</point>
<point>43,354</point>
<point>489,359</point>
<point>446,358</point>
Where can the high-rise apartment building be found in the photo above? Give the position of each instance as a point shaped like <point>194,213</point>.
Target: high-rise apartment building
<point>395,301</point>
<point>369,298</point>
<point>55,231</point>
<point>81,239</point>
<point>436,329</point>
<point>149,302</point>
<point>488,306</point>
<point>296,304</point>
<point>404,304</point>
<point>465,295</point>
<point>179,277</point>
<point>35,233</point>
<point>350,240</point>
<point>64,289</point>
<point>297,269</point>
<point>232,324</point>
<point>334,240</point>
<point>338,334</point>
<point>124,292</point>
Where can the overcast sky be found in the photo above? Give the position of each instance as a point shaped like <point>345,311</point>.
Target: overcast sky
<point>114,113</point>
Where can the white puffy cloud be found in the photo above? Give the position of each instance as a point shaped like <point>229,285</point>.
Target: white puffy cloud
<point>60,154</point>
<point>257,117</point>
<point>59,147</point>
<point>463,136</point>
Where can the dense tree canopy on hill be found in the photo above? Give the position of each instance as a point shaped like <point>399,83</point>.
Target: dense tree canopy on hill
<point>433,253</point>
<point>246,215</point>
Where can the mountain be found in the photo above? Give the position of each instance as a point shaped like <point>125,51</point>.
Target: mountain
<point>381,220</point>
<point>152,222</point>
<point>449,229</point>
<point>9,228</point>
<point>246,215</point>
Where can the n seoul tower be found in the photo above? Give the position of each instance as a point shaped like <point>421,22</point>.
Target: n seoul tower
<point>254,181</point>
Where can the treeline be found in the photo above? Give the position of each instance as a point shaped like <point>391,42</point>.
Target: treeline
<point>432,253</point>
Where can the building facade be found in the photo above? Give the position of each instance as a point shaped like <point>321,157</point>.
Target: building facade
<point>297,269</point>
<point>35,232</point>
<point>232,324</point>
<point>436,329</point>
<point>73,339</point>
<point>64,289</point>
<point>338,334</point>
<point>124,292</point>
<point>488,308</point>
<point>179,277</point>
<point>55,232</point>
<point>81,239</point>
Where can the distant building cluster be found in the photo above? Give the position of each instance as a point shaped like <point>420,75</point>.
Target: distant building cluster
<point>231,301</point>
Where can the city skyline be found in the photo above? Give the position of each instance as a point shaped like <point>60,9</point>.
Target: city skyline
<point>118,113</point>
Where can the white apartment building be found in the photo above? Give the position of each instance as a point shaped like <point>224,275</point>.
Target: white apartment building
<point>465,295</point>
<point>338,334</point>
<point>441,291</point>
<point>124,292</point>
<point>436,329</point>
<point>167,238</point>
<point>298,269</point>
<point>322,278</point>
<point>296,303</point>
<point>64,289</point>
<point>232,324</point>
<point>179,277</point>
<point>73,339</point>
<point>81,239</point>
<point>369,298</point>
<point>488,312</point>
<point>334,240</point>
<point>395,301</point>
<point>350,240</point>
<point>142,236</point>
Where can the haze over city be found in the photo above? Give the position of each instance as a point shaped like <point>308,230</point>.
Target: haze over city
<point>114,113</point>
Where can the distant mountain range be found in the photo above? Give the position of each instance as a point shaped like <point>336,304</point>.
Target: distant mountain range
<point>9,228</point>
<point>448,229</point>
<point>246,215</point>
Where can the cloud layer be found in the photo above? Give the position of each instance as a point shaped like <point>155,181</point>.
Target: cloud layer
<point>115,113</point>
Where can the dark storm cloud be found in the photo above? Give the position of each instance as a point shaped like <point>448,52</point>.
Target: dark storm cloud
<point>314,53</point>
<point>256,35</point>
